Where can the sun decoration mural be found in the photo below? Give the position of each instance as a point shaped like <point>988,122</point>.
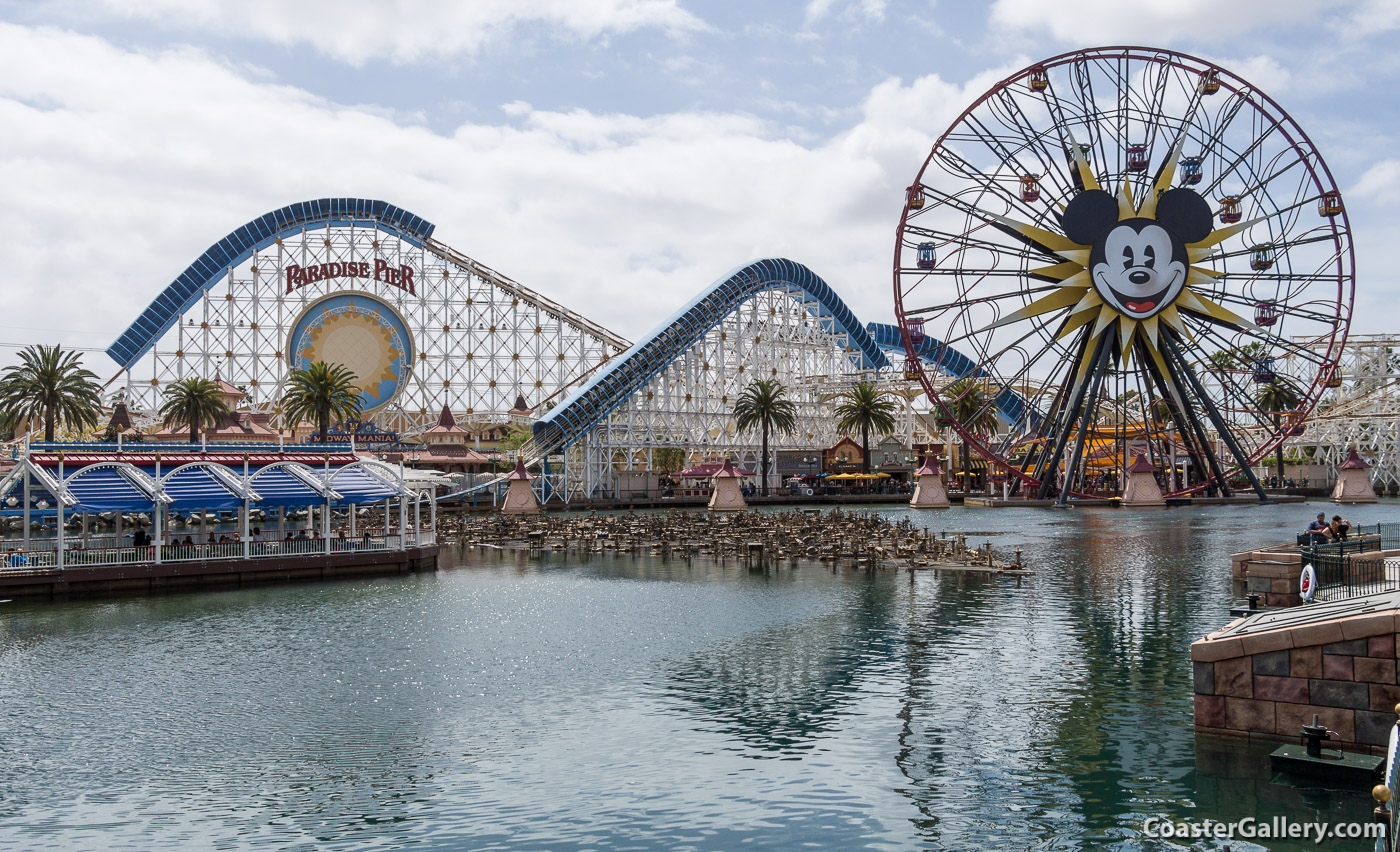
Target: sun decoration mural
<point>363,334</point>
<point>1062,237</point>
<point>1127,266</point>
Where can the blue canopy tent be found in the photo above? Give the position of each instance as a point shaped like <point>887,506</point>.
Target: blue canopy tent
<point>360,484</point>
<point>114,487</point>
<point>205,486</point>
<point>288,484</point>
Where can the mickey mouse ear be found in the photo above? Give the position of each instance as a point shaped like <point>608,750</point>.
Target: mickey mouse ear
<point>1090,215</point>
<point>1185,213</point>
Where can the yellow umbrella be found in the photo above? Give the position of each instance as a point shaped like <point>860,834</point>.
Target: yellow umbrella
<point>845,476</point>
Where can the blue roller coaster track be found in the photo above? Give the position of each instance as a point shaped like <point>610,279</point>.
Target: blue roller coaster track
<point>1011,407</point>
<point>629,372</point>
<point>239,245</point>
<point>610,387</point>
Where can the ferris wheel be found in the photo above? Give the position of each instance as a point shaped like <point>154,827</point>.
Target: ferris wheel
<point>1120,251</point>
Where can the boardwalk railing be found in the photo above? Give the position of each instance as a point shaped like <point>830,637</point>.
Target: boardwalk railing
<point>42,557</point>
<point>1346,569</point>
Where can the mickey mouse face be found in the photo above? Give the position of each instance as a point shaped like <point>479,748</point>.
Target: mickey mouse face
<point>1139,268</point>
<point>1138,265</point>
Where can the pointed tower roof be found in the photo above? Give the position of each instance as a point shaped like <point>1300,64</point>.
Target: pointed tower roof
<point>930,466</point>
<point>520,472</point>
<point>1353,461</point>
<point>1141,465</point>
<point>121,418</point>
<point>521,407</point>
<point>726,471</point>
<point>446,425</point>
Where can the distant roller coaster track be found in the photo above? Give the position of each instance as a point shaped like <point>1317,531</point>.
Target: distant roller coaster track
<point>610,387</point>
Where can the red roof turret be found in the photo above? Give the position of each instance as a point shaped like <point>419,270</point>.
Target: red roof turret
<point>1353,461</point>
<point>1142,465</point>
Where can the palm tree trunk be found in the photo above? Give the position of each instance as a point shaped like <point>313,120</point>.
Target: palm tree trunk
<point>194,429</point>
<point>1277,425</point>
<point>763,461</point>
<point>325,426</point>
<point>48,423</point>
<point>865,448</point>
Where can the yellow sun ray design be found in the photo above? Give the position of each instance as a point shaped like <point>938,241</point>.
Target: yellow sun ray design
<point>1076,297</point>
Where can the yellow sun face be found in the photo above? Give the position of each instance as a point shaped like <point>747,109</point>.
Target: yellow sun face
<point>1132,271</point>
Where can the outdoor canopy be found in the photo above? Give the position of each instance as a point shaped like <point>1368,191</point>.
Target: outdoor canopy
<point>127,488</point>
<point>201,488</point>
<point>107,489</point>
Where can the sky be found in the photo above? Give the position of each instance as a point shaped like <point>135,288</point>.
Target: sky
<point>617,156</point>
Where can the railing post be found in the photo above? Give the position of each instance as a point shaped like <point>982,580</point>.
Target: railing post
<point>155,511</point>
<point>58,500</point>
<point>247,544</point>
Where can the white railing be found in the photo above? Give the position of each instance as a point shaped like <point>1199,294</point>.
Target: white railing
<point>41,554</point>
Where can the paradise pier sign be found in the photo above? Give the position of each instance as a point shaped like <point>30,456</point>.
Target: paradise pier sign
<point>300,276</point>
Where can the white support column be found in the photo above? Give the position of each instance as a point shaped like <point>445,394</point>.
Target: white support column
<point>26,500</point>
<point>247,544</point>
<point>326,518</point>
<point>156,510</point>
<point>58,500</point>
<point>417,516</point>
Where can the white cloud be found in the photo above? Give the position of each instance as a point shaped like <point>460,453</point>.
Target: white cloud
<point>1372,17</point>
<point>403,31</point>
<point>120,167</point>
<point>869,10</point>
<point>1092,22</point>
<point>1380,183</point>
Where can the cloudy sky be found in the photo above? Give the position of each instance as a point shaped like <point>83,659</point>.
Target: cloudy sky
<point>616,155</point>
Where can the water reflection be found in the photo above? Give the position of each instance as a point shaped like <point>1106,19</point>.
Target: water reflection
<point>547,702</point>
<point>783,688</point>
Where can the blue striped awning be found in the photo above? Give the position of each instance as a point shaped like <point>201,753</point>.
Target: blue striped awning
<point>108,489</point>
<point>280,486</point>
<point>200,488</point>
<point>361,485</point>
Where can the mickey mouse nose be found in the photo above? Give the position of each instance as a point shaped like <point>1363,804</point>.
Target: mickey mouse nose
<point>1139,277</point>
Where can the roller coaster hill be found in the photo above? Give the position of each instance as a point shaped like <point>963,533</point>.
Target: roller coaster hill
<point>435,337</point>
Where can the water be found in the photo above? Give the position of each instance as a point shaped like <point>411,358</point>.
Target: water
<point>623,703</point>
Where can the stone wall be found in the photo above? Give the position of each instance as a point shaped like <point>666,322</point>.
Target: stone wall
<point>1273,574</point>
<point>1267,685</point>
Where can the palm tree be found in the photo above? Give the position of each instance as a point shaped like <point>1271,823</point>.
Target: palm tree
<point>763,404</point>
<point>48,384</point>
<point>865,407</point>
<point>966,406</point>
<point>195,403</point>
<point>318,393</point>
<point>1277,397</point>
<point>1223,361</point>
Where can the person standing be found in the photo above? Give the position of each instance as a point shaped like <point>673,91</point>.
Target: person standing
<point>1339,528</point>
<point>1318,531</point>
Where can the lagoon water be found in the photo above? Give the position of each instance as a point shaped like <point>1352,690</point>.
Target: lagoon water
<point>618,703</point>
